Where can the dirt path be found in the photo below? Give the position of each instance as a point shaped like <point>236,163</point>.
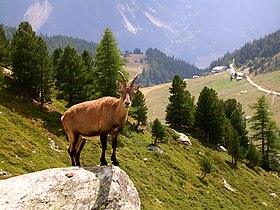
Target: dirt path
<point>262,89</point>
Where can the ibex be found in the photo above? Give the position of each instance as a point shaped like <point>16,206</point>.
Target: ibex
<point>103,116</point>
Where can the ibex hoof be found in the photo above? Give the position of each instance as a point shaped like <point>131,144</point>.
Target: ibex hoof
<point>104,163</point>
<point>116,163</point>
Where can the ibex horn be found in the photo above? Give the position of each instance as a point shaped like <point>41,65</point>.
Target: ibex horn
<point>123,78</point>
<point>133,80</point>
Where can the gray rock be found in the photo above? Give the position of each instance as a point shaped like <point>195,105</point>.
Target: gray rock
<point>155,148</point>
<point>184,139</point>
<point>105,187</point>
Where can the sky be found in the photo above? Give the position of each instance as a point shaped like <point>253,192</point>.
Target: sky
<point>195,30</point>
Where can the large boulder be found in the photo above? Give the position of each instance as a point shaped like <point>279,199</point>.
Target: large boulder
<point>105,187</point>
<point>183,138</point>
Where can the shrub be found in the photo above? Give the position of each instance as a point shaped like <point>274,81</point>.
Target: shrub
<point>205,166</point>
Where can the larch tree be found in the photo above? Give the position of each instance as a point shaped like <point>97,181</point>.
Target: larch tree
<point>264,129</point>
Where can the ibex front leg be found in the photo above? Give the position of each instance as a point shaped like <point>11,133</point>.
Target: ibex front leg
<point>114,146</point>
<point>103,139</point>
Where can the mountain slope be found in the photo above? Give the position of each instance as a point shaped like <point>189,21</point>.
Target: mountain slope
<point>57,41</point>
<point>263,48</point>
<point>164,181</point>
<point>196,31</point>
<point>157,96</point>
<point>163,68</point>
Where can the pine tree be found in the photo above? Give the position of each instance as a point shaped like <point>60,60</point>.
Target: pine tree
<point>209,115</point>
<point>108,62</point>
<point>4,48</point>
<point>205,166</point>
<point>56,56</point>
<point>25,62</point>
<point>158,130</point>
<point>71,76</point>
<point>234,148</point>
<point>253,155</point>
<point>89,88</point>
<point>138,108</point>
<point>46,73</point>
<point>234,113</point>
<point>180,110</point>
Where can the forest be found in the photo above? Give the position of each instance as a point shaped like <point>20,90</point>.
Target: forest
<point>58,41</point>
<point>253,54</point>
<point>163,68</point>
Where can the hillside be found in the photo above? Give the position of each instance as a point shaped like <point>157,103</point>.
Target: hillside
<point>33,139</point>
<point>162,68</point>
<point>157,96</point>
<point>57,41</point>
<point>254,54</point>
<point>135,63</point>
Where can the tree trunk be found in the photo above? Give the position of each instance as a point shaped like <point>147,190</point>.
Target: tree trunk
<point>155,142</point>
<point>263,154</point>
<point>137,125</point>
<point>41,88</point>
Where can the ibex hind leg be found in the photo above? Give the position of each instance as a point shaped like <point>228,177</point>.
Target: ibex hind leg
<point>73,140</point>
<point>79,147</point>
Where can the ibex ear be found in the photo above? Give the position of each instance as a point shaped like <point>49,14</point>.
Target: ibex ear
<point>119,85</point>
<point>136,88</point>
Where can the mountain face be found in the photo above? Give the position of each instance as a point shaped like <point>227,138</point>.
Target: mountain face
<point>194,30</point>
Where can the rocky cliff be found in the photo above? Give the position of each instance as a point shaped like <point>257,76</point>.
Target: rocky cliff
<point>105,187</point>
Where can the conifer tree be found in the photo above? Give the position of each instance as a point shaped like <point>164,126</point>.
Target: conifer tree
<point>56,56</point>
<point>89,88</point>
<point>108,62</point>
<point>4,48</point>
<point>205,166</point>
<point>260,125</point>
<point>46,73</point>
<point>25,62</point>
<point>138,108</point>
<point>71,76</point>
<point>234,114</point>
<point>180,110</point>
<point>209,115</point>
<point>158,130</point>
<point>253,155</point>
<point>234,148</point>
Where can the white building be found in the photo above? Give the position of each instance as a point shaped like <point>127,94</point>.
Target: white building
<point>218,69</point>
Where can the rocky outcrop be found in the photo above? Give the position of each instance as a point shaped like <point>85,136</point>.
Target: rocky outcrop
<point>183,138</point>
<point>105,187</point>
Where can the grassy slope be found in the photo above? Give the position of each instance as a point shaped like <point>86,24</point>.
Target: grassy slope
<point>156,96</point>
<point>134,65</point>
<point>164,181</point>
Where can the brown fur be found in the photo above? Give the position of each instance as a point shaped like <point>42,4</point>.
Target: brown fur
<point>103,116</point>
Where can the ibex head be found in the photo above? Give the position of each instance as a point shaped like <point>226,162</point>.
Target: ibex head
<point>127,91</point>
